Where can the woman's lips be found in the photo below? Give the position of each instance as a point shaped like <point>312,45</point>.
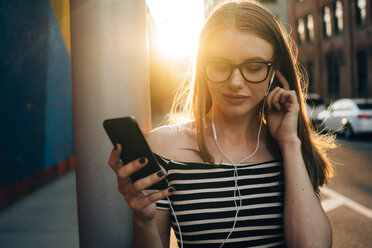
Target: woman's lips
<point>235,99</point>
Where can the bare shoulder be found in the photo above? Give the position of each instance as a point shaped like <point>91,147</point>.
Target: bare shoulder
<point>172,141</point>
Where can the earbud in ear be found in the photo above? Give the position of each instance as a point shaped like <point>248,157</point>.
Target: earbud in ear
<point>272,78</point>
<point>271,82</point>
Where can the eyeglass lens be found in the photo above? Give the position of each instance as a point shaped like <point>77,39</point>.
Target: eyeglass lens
<point>253,72</point>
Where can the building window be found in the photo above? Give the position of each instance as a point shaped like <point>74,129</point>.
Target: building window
<point>333,71</point>
<point>327,28</point>
<point>309,28</point>
<point>339,13</point>
<point>301,30</point>
<point>310,72</point>
<point>361,12</point>
<point>362,74</point>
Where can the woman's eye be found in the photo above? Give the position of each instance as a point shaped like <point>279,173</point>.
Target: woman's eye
<point>253,67</point>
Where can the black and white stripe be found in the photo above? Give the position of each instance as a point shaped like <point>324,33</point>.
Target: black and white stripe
<point>205,208</point>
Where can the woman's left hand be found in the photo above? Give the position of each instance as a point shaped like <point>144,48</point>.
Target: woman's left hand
<point>283,109</point>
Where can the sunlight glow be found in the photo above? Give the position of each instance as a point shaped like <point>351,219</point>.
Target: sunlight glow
<point>179,23</point>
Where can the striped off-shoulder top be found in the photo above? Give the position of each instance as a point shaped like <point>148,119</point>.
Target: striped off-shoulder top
<point>205,208</point>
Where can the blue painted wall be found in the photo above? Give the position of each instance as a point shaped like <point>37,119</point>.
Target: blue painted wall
<point>58,143</point>
<point>35,90</point>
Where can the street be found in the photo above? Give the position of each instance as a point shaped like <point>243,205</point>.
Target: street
<point>348,197</point>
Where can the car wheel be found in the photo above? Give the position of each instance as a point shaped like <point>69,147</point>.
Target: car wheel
<point>348,132</point>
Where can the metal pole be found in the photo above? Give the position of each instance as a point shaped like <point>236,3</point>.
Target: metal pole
<point>110,79</point>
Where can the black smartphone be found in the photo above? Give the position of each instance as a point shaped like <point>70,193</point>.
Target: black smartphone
<point>125,131</point>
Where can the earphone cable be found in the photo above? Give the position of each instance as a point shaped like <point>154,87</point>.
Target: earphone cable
<point>236,174</point>
<point>175,217</point>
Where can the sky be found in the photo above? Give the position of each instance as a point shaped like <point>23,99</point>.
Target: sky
<point>179,23</point>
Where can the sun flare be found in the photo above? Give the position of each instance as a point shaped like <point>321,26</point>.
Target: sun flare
<point>179,23</point>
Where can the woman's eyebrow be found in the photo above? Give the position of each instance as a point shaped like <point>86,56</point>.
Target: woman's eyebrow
<point>257,58</point>
<point>218,58</point>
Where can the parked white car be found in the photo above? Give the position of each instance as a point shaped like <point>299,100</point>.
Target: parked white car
<point>314,104</point>
<point>348,117</point>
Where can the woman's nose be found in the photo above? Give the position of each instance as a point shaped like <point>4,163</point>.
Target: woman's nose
<point>236,80</point>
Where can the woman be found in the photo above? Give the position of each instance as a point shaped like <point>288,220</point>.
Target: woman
<point>246,170</point>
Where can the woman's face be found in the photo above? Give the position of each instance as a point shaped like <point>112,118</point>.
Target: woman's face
<point>236,96</point>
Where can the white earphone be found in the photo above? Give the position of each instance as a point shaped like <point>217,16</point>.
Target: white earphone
<point>235,168</point>
<point>271,82</point>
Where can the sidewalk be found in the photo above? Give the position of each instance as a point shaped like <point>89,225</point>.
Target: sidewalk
<point>45,218</point>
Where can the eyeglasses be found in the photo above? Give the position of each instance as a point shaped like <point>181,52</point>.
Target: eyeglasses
<point>254,72</point>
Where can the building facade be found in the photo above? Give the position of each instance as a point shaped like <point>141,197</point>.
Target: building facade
<point>334,38</point>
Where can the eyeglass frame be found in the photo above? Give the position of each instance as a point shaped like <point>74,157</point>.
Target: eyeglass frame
<point>268,63</point>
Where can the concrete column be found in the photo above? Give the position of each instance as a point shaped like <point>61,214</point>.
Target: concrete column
<point>110,79</point>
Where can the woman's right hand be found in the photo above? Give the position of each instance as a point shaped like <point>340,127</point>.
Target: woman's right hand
<point>140,200</point>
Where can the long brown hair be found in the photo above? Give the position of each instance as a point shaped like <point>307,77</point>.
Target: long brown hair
<point>195,99</point>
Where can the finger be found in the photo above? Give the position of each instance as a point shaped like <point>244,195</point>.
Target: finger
<point>282,80</point>
<point>114,160</point>
<point>149,191</point>
<point>124,186</point>
<point>285,99</point>
<point>146,182</point>
<point>289,97</point>
<point>289,100</point>
<point>270,96</point>
<point>142,202</point>
<point>139,187</point>
<point>125,171</point>
<point>276,98</point>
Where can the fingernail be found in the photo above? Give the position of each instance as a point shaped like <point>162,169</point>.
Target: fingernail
<point>160,173</point>
<point>143,160</point>
<point>171,189</point>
